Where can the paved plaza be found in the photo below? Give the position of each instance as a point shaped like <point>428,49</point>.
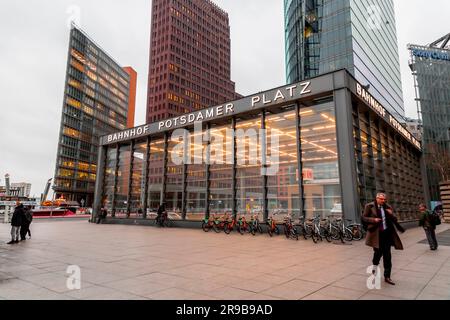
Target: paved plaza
<point>135,262</point>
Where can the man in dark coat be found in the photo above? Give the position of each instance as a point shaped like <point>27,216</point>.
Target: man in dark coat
<point>16,222</point>
<point>382,234</point>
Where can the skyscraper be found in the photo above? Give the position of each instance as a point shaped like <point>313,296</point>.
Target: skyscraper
<point>189,58</point>
<point>431,70</point>
<point>359,35</point>
<point>97,100</point>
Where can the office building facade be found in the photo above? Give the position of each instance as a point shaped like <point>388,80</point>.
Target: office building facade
<point>190,58</point>
<point>359,35</point>
<point>96,102</point>
<point>431,70</point>
<point>323,146</point>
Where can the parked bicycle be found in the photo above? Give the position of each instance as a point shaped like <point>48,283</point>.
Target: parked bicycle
<point>255,225</point>
<point>208,224</point>
<point>231,225</point>
<point>242,225</point>
<point>272,227</point>
<point>289,229</point>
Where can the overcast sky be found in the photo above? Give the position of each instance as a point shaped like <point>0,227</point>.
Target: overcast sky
<point>34,38</point>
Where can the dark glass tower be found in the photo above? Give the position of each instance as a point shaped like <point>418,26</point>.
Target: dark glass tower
<point>190,58</point>
<point>96,102</point>
<point>327,35</point>
<point>431,69</point>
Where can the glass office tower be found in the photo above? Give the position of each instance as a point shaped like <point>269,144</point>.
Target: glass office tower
<point>98,99</point>
<point>359,35</point>
<point>431,70</point>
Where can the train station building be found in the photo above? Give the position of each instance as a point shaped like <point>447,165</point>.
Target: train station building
<point>321,146</point>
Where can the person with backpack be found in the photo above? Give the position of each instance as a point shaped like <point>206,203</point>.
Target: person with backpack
<point>381,233</point>
<point>25,227</point>
<point>429,221</point>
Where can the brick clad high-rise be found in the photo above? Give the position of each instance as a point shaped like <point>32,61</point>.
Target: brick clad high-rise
<point>189,58</point>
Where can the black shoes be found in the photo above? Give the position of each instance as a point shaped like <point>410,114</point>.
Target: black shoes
<point>389,281</point>
<point>13,242</point>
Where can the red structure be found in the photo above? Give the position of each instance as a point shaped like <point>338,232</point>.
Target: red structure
<point>189,58</point>
<point>132,96</point>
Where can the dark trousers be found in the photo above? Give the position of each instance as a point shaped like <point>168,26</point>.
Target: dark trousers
<point>24,230</point>
<point>384,252</point>
<point>431,236</point>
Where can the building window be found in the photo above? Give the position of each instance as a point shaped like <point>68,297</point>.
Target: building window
<point>322,192</point>
<point>283,180</point>
<point>123,175</point>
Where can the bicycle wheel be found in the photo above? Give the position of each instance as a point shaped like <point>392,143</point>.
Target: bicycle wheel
<point>287,232</point>
<point>253,230</point>
<point>277,231</point>
<point>335,234</point>
<point>241,229</point>
<point>325,234</point>
<point>357,233</point>
<point>216,228</point>
<point>260,230</point>
<point>294,234</point>
<point>206,227</point>
<point>314,237</point>
<point>348,236</point>
<point>303,231</point>
<point>227,229</point>
<point>270,231</point>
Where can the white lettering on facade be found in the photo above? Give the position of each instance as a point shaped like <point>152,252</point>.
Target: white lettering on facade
<point>291,90</point>
<point>255,100</point>
<point>377,107</point>
<point>229,108</point>
<point>278,96</point>
<point>305,89</point>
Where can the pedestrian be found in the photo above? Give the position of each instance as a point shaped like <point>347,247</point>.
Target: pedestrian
<point>26,221</point>
<point>161,214</point>
<point>381,233</point>
<point>428,222</point>
<point>16,222</point>
<point>102,214</point>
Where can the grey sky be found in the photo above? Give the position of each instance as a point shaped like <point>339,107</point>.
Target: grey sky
<point>33,55</point>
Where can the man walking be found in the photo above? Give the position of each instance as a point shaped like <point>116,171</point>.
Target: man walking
<point>16,222</point>
<point>381,233</point>
<point>428,222</point>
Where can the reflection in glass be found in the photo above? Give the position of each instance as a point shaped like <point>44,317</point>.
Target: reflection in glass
<point>156,176</point>
<point>110,177</point>
<point>320,161</point>
<point>123,175</point>
<point>221,171</point>
<point>249,182</point>
<point>137,179</point>
<point>283,188</point>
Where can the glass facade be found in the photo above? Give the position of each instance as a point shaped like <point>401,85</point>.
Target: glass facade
<point>386,163</point>
<point>96,102</point>
<point>327,35</point>
<point>271,161</point>
<point>432,81</point>
<point>320,160</point>
<point>220,184</point>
